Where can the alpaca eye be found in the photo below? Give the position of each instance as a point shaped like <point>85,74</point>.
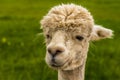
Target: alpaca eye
<point>80,38</point>
<point>47,36</point>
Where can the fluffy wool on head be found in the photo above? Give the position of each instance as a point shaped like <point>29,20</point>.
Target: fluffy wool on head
<point>69,15</point>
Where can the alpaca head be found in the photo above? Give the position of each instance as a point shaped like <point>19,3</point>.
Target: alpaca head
<point>68,30</point>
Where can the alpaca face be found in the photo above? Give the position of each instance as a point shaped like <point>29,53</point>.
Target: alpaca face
<point>66,48</point>
<point>68,30</point>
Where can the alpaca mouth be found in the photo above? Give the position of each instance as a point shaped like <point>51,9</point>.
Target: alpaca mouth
<point>55,65</point>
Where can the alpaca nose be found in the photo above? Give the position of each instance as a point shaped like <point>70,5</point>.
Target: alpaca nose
<point>55,50</point>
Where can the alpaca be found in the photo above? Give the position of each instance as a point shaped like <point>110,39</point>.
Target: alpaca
<point>68,29</point>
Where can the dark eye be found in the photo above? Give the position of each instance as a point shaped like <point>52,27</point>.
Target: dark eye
<point>47,36</point>
<point>80,38</point>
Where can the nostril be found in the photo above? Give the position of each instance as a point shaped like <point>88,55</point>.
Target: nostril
<point>58,51</point>
<point>49,50</point>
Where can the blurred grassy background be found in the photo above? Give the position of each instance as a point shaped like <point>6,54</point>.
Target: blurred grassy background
<point>22,52</point>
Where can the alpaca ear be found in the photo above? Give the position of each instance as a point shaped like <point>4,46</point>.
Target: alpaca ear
<point>100,32</point>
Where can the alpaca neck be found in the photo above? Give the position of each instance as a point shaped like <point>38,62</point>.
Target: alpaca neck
<point>76,74</point>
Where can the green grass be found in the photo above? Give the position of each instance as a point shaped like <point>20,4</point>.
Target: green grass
<point>22,52</point>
